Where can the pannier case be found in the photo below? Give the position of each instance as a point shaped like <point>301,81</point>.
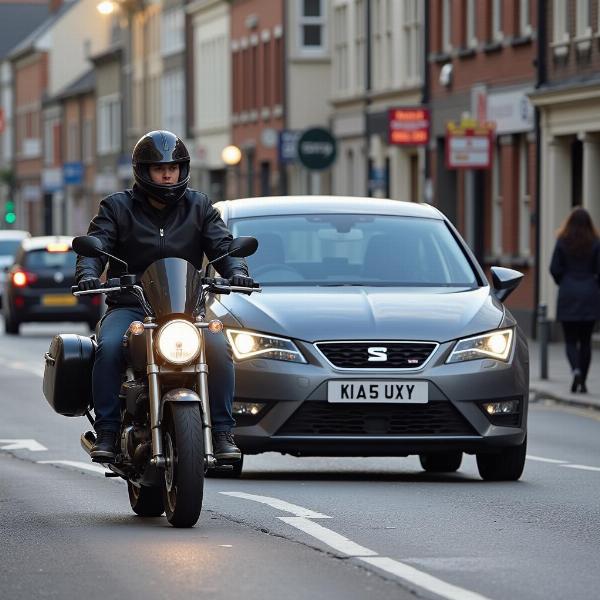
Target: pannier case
<point>68,374</point>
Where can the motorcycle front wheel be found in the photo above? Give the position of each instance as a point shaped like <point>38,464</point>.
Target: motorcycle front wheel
<point>146,501</point>
<point>183,447</point>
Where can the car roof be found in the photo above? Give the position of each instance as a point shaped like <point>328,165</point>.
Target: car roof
<point>40,242</point>
<point>289,205</point>
<point>13,234</point>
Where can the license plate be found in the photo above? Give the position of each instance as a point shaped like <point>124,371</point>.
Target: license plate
<point>59,300</point>
<point>408,392</point>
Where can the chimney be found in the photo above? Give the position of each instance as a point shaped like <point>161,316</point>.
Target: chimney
<point>54,5</point>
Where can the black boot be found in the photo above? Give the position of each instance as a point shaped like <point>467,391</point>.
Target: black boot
<point>576,380</point>
<point>105,448</point>
<point>224,448</point>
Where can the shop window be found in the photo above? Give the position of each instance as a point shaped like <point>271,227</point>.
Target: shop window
<point>576,172</point>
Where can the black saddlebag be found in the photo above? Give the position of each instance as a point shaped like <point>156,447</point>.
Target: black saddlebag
<point>68,374</point>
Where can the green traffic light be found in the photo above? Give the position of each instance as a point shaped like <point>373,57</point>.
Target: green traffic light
<point>10,218</point>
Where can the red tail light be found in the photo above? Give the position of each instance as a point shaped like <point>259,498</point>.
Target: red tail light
<point>21,278</point>
<point>96,299</point>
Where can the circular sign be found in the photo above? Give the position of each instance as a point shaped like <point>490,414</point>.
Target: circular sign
<point>317,148</point>
<point>268,137</point>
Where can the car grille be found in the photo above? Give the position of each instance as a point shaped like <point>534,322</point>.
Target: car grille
<point>355,355</point>
<point>322,418</point>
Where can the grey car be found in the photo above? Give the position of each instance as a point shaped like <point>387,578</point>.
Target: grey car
<point>377,333</point>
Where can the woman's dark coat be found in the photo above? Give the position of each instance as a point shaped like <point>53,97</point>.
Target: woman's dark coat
<point>578,278</point>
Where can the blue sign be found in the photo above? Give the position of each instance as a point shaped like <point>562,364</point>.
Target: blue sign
<point>73,173</point>
<point>288,146</point>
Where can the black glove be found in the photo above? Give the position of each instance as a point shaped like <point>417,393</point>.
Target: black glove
<point>89,283</point>
<point>241,280</point>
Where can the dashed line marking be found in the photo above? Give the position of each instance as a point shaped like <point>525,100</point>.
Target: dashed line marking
<point>355,551</point>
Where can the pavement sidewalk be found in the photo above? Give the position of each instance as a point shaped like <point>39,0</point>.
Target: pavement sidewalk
<point>558,385</point>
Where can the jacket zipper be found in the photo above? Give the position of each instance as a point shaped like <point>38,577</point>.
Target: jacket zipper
<point>162,242</point>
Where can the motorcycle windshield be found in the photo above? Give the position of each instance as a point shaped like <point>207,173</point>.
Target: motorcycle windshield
<point>172,286</point>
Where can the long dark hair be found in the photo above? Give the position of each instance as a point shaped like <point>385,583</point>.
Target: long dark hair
<point>578,232</point>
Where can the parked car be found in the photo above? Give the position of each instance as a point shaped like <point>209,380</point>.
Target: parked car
<point>376,334</point>
<point>38,287</point>
<point>9,244</point>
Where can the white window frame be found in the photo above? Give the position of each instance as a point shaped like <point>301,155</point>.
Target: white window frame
<point>173,103</point>
<point>321,21</point>
<point>583,25</point>
<point>341,64</point>
<point>497,29</point>
<point>49,125</point>
<point>560,28</point>
<point>172,31</point>
<point>73,148</point>
<point>412,41</point>
<point>524,199</point>
<point>497,201</point>
<point>471,22</point>
<point>525,18</point>
<point>446,26</point>
<point>108,131</point>
<point>360,41</point>
<point>87,141</point>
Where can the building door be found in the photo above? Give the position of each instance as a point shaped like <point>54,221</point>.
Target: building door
<point>265,178</point>
<point>48,214</point>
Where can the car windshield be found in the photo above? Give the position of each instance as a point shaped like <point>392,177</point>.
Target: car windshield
<point>9,247</point>
<point>346,249</point>
<point>42,259</point>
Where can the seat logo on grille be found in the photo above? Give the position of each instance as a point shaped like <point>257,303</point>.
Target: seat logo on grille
<point>377,353</point>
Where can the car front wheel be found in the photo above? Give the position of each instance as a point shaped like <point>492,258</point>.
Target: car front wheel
<point>506,465</point>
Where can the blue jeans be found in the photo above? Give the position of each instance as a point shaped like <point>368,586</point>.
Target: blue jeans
<point>110,364</point>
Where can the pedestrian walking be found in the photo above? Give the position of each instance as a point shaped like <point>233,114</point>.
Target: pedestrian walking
<point>575,268</point>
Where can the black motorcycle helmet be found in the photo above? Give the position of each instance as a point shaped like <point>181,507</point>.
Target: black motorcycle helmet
<point>161,147</point>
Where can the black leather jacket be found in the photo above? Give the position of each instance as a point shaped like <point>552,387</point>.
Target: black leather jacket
<point>131,229</point>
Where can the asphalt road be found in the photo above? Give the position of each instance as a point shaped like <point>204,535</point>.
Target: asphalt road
<point>293,528</point>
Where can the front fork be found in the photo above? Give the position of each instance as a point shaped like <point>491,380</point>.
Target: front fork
<point>152,371</point>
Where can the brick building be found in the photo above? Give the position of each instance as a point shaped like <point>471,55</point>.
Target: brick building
<point>568,100</point>
<point>257,62</point>
<point>481,65</point>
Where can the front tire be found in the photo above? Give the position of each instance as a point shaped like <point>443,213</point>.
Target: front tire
<point>183,442</point>
<point>11,326</point>
<point>146,501</point>
<point>506,465</point>
<point>441,463</point>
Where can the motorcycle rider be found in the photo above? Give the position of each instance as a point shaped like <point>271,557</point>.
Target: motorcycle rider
<point>159,218</point>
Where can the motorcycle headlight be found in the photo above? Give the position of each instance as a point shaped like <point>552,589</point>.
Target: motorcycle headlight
<point>178,342</point>
<point>495,344</point>
<point>246,344</point>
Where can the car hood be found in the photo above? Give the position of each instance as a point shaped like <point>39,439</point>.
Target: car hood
<point>322,313</point>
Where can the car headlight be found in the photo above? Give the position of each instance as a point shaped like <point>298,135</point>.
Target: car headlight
<point>496,344</point>
<point>178,342</point>
<point>246,344</point>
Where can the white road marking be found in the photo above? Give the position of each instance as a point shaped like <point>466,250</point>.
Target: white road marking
<point>299,511</point>
<point>331,538</point>
<point>29,444</point>
<point>345,546</point>
<point>423,580</point>
<point>582,467</point>
<point>21,366</point>
<point>546,460</point>
<point>75,464</point>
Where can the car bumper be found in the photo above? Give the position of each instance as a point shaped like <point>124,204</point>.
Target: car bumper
<point>298,419</point>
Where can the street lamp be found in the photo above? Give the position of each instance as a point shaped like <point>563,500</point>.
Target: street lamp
<point>232,156</point>
<point>106,7</point>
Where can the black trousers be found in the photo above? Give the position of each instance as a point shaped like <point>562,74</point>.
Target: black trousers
<point>578,339</point>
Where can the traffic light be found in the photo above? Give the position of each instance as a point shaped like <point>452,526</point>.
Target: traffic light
<point>9,212</point>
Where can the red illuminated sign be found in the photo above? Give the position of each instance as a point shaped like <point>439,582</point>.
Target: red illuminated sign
<point>408,126</point>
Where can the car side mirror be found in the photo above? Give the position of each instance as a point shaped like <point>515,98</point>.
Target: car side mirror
<point>243,246</point>
<point>505,281</point>
<point>88,245</point>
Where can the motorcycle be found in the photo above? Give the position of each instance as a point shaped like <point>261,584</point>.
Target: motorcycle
<point>165,442</point>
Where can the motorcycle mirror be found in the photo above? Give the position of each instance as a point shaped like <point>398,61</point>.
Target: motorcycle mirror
<point>91,246</point>
<point>243,246</point>
<point>87,245</point>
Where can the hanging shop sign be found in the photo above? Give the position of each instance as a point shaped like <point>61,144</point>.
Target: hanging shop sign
<point>317,149</point>
<point>408,126</point>
<point>469,144</point>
